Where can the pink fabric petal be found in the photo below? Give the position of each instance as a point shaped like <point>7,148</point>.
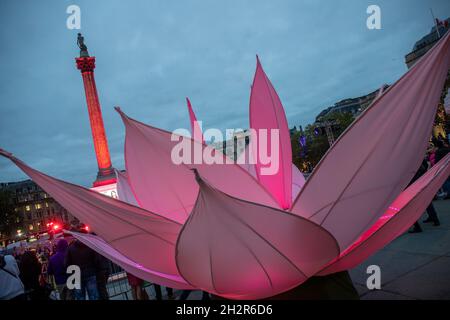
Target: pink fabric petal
<point>196,130</point>
<point>142,236</point>
<point>247,163</point>
<point>99,245</point>
<point>173,187</point>
<point>266,112</point>
<point>124,190</point>
<point>243,250</point>
<point>376,157</point>
<point>298,181</point>
<point>149,167</point>
<point>401,214</point>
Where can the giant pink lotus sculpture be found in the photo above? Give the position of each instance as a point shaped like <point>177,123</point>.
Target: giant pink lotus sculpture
<point>230,231</point>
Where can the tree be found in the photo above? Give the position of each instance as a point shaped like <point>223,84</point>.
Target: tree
<point>306,157</point>
<point>343,120</point>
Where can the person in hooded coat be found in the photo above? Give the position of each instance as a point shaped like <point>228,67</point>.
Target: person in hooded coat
<point>57,270</point>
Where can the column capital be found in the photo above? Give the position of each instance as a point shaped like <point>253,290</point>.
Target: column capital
<point>85,64</point>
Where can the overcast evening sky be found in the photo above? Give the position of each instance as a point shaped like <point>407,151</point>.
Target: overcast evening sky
<point>152,54</point>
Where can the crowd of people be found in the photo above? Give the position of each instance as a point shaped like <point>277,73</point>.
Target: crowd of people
<point>40,272</point>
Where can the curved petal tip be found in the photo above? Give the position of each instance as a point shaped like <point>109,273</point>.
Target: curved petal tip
<point>198,178</point>
<point>5,153</point>
<point>120,112</point>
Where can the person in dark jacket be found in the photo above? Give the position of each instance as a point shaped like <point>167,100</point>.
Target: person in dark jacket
<point>103,271</point>
<point>441,152</point>
<point>158,292</point>
<point>102,275</point>
<point>57,269</point>
<point>30,270</point>
<point>85,258</point>
<point>432,215</point>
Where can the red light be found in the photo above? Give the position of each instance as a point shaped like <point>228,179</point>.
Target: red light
<point>104,182</point>
<point>86,228</point>
<point>55,227</point>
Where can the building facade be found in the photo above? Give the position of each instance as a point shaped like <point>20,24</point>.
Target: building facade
<point>35,207</point>
<point>234,146</point>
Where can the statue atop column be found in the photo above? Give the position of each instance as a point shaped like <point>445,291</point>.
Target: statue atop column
<point>82,46</point>
<point>86,64</point>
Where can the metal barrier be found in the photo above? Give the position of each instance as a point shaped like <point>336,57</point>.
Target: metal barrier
<point>118,287</point>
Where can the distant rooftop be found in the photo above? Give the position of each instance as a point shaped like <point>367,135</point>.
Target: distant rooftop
<point>15,184</point>
<point>425,44</point>
<point>352,105</point>
<point>431,37</point>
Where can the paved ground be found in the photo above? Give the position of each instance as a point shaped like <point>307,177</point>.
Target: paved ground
<point>414,266</point>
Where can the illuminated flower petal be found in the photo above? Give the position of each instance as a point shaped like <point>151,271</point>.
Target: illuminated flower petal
<point>140,235</point>
<point>124,191</point>
<point>162,186</point>
<point>267,113</point>
<point>298,181</point>
<point>99,245</point>
<point>243,250</point>
<point>401,214</point>
<point>196,130</point>
<point>374,160</point>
